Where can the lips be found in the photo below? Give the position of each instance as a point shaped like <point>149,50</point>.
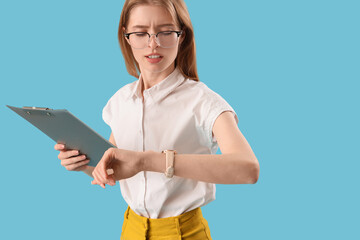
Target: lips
<point>154,58</point>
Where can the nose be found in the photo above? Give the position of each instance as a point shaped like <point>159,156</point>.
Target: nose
<point>153,43</point>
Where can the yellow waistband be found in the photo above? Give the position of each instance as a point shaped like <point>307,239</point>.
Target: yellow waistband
<point>189,225</point>
<point>162,222</point>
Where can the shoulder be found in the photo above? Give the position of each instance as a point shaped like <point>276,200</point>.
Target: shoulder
<point>196,88</point>
<point>200,92</point>
<point>110,111</point>
<point>208,104</point>
<point>124,92</point>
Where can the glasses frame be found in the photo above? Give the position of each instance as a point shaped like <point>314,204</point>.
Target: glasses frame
<point>127,35</point>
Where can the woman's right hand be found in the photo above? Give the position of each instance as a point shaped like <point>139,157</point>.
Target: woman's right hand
<point>70,159</point>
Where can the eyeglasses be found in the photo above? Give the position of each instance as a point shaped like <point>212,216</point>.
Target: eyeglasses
<point>166,39</point>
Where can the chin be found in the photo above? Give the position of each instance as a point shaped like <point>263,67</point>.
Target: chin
<point>157,68</point>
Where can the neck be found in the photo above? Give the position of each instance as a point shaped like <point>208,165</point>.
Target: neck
<point>152,78</point>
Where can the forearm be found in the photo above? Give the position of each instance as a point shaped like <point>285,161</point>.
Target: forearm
<point>222,169</point>
<point>88,170</point>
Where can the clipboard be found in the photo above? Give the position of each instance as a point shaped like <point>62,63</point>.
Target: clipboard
<point>63,127</point>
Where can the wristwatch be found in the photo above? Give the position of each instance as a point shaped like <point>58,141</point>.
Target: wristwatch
<point>170,158</point>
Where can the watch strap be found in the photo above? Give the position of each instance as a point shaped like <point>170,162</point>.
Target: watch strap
<point>170,159</point>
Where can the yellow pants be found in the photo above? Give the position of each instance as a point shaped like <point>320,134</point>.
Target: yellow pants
<point>188,226</point>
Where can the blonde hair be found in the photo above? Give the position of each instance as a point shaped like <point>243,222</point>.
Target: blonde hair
<point>186,58</point>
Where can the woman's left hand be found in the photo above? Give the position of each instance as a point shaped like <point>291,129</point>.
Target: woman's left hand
<point>124,164</point>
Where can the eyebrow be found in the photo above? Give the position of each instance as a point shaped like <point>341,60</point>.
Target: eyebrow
<point>158,26</point>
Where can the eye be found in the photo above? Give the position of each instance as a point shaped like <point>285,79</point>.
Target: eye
<point>140,34</point>
<point>166,33</point>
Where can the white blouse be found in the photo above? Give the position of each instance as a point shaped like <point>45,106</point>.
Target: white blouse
<point>179,114</point>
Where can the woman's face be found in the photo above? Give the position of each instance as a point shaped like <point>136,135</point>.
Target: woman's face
<point>153,19</point>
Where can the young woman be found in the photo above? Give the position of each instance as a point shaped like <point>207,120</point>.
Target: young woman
<point>167,127</point>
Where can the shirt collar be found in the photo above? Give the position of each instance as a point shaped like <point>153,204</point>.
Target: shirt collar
<point>161,89</point>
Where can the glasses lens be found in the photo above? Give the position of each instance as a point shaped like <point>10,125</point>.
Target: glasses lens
<point>167,39</point>
<point>139,40</point>
<point>164,39</point>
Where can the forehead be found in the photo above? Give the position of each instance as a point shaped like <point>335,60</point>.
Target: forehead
<point>149,15</point>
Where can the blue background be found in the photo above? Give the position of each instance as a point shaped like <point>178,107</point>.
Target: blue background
<point>290,69</point>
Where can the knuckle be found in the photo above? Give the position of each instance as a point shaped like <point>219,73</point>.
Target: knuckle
<point>68,154</point>
<point>76,165</point>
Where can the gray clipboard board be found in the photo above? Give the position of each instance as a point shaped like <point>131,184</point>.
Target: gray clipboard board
<point>63,127</point>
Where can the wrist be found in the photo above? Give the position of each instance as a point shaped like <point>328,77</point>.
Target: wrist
<point>153,161</point>
<point>88,170</point>
<point>144,161</point>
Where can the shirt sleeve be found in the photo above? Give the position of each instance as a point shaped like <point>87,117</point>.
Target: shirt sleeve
<point>106,113</point>
<point>109,112</point>
<point>213,108</point>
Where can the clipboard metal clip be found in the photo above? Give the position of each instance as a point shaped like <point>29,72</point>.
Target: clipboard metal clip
<point>37,108</point>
